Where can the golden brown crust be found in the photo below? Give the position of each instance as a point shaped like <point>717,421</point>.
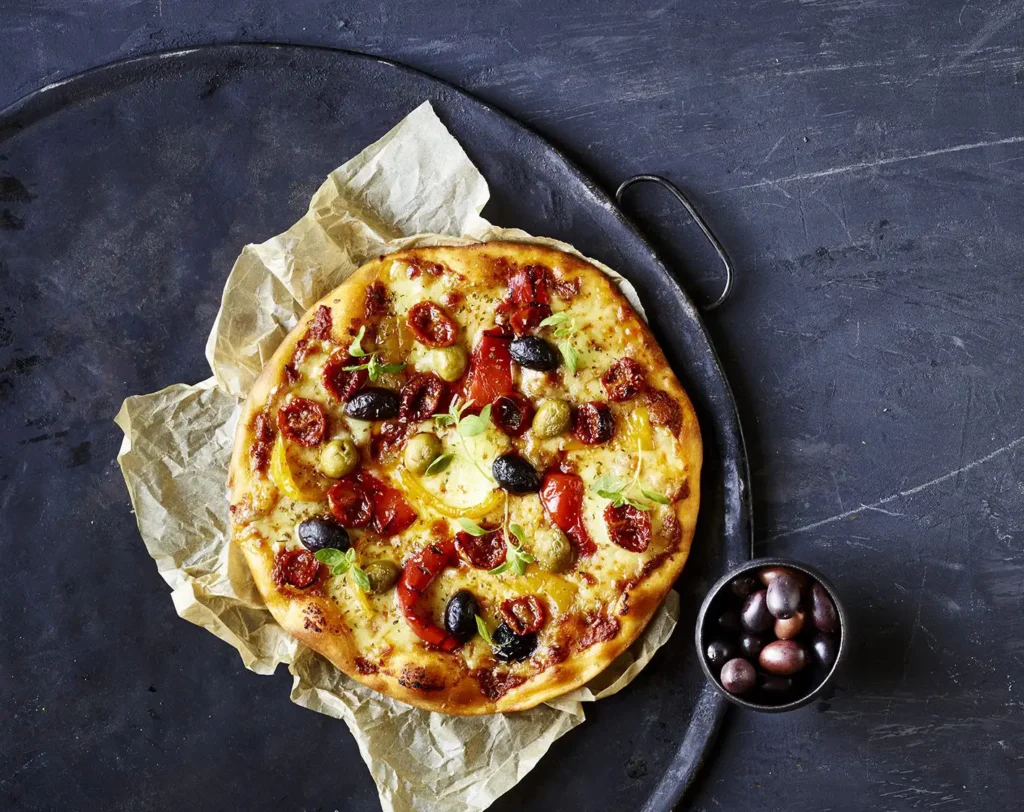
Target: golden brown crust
<point>430,681</point>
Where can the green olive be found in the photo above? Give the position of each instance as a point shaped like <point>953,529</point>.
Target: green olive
<point>381,575</point>
<point>421,450</point>
<point>553,551</point>
<point>338,458</point>
<point>450,362</point>
<point>551,419</point>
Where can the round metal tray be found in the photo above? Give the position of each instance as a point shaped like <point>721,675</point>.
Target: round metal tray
<point>125,194</point>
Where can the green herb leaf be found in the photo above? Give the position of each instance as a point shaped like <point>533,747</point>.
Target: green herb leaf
<point>360,578</point>
<point>555,319</point>
<point>330,557</point>
<point>355,349</point>
<point>442,420</point>
<point>502,567</point>
<point>474,424</point>
<point>481,627</point>
<point>517,531</point>
<point>569,354</point>
<point>351,555</point>
<point>356,367</point>
<point>471,527</point>
<point>439,464</point>
<point>519,566</point>
<point>636,504</point>
<point>611,484</point>
<point>655,497</point>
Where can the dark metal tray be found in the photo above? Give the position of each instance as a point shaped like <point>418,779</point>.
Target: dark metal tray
<point>125,194</point>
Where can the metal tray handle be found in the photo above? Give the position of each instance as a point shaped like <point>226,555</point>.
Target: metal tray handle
<point>730,274</point>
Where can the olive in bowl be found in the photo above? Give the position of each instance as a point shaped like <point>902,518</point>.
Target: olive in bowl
<point>788,644</point>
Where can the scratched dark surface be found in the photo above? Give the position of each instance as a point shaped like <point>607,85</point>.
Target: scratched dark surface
<point>863,163</point>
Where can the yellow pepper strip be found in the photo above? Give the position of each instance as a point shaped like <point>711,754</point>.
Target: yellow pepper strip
<point>364,604</point>
<point>560,591</point>
<point>428,501</point>
<point>281,473</point>
<point>638,432</point>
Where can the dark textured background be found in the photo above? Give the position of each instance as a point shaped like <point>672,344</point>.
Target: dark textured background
<point>863,163</point>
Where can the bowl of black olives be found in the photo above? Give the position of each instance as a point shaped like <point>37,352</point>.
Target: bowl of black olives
<point>771,634</point>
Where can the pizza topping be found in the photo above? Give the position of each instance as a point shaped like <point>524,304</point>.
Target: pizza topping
<point>422,397</point>
<point>262,438</point>
<point>350,502</point>
<point>515,474</point>
<point>417,574</point>
<point>341,378</point>
<point>528,318</point>
<point>391,513</point>
<point>484,548</point>
<point>431,325</point>
<point>320,326</point>
<point>450,362</point>
<point>628,527</point>
<point>373,403</point>
<point>564,330</point>
<point>553,551</point>
<point>552,418</point>
<point>297,568</point>
<point>319,533</point>
<point>467,426</point>
<point>511,414</point>
<point>375,367</point>
<point>421,451</point>
<point>527,302</point>
<point>593,423</point>
<point>516,557</point>
<point>524,614</point>
<point>599,629</point>
<point>664,410</point>
<point>561,494</point>
<point>338,458</point>
<point>460,615</point>
<point>512,647</point>
<point>490,369</point>
<point>624,380</point>
<point>382,575</point>
<point>298,489</point>
<point>376,302</point>
<point>303,421</point>
<point>533,352</point>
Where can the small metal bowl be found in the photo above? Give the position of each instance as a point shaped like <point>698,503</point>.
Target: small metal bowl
<point>705,634</point>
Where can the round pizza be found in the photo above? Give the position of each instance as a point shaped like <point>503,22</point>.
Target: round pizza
<point>468,477</point>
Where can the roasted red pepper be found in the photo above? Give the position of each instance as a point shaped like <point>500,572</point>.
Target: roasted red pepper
<point>561,495</point>
<point>490,368</point>
<point>417,574</point>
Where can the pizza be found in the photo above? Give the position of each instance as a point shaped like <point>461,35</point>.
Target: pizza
<point>467,477</point>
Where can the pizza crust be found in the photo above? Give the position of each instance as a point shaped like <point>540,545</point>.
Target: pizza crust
<point>426,681</point>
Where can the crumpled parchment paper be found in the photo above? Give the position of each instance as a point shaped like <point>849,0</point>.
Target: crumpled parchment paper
<point>414,186</point>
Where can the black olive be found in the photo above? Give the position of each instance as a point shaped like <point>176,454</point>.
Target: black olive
<point>460,615</point>
<point>755,616</point>
<point>825,649</point>
<point>776,688</point>
<point>729,621</point>
<point>738,676</point>
<point>751,645</point>
<point>373,403</point>
<point>515,474</point>
<point>720,652</point>
<point>534,352</point>
<point>783,596</point>
<point>320,533</point>
<point>823,611</point>
<point>511,647</point>
<point>743,585</point>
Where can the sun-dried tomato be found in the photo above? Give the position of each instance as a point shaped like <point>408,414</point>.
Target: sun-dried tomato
<point>302,421</point>
<point>342,383</point>
<point>431,325</point>
<point>351,502</point>
<point>526,319</point>
<point>320,326</point>
<point>628,527</point>
<point>529,285</point>
<point>512,414</point>
<point>664,410</point>
<point>298,568</point>
<point>421,397</point>
<point>524,614</point>
<point>484,552</point>
<point>593,423</point>
<point>624,380</point>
